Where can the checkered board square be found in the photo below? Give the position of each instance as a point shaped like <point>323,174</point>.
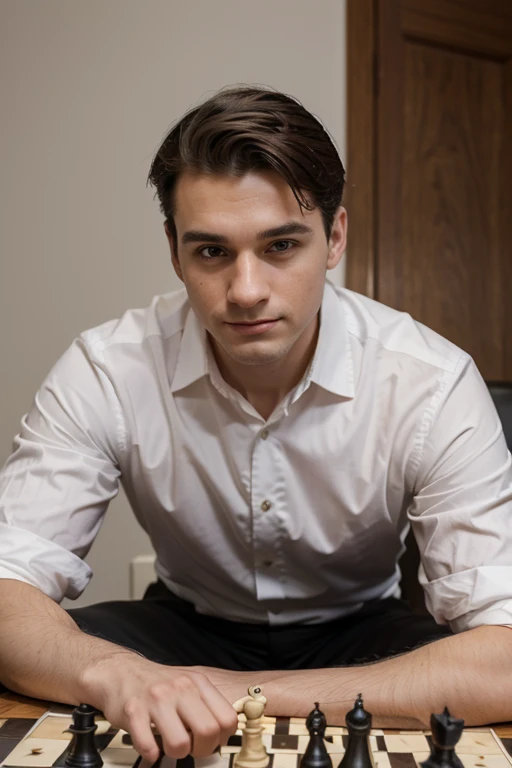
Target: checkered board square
<point>44,743</point>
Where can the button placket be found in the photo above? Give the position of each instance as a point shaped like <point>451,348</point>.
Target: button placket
<point>265,525</point>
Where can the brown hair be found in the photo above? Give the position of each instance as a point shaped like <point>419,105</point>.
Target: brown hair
<point>247,128</point>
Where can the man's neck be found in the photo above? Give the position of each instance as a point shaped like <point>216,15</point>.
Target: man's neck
<point>264,386</point>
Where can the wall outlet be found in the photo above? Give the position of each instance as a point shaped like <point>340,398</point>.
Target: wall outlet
<point>142,573</point>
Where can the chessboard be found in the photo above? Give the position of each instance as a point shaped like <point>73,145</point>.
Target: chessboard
<point>43,744</point>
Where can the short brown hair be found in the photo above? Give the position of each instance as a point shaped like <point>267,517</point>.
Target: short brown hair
<point>248,128</point>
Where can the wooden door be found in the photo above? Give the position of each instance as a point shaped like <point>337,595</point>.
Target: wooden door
<point>429,167</point>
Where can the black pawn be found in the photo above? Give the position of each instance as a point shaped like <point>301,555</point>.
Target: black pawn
<point>83,752</point>
<point>359,724</point>
<point>446,732</point>
<point>316,754</point>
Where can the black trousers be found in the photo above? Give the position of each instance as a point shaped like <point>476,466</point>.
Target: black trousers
<point>168,630</point>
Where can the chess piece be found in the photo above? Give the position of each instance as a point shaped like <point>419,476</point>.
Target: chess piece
<point>253,753</point>
<point>446,732</point>
<point>83,752</point>
<point>358,753</point>
<point>316,755</point>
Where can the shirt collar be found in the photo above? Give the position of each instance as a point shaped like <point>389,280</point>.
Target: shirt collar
<point>331,367</point>
<point>192,360</point>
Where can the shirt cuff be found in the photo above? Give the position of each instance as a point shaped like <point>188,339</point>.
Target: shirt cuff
<point>27,557</point>
<point>470,598</point>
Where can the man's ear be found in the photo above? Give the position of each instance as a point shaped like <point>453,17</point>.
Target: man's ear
<point>170,232</point>
<point>338,238</point>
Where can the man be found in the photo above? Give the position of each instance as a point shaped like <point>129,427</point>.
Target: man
<point>274,435</point>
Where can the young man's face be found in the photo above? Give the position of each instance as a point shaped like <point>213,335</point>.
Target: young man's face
<point>252,262</point>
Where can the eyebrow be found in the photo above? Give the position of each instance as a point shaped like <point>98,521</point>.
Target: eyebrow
<point>292,228</point>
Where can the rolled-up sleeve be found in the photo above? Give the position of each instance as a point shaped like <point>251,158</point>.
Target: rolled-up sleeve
<point>462,511</point>
<point>56,485</point>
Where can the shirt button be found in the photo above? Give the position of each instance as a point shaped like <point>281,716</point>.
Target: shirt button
<point>265,506</point>
<point>265,434</point>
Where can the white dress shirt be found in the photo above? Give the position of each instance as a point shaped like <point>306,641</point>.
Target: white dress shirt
<point>300,518</point>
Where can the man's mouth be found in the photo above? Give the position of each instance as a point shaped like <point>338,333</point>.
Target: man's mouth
<point>254,327</point>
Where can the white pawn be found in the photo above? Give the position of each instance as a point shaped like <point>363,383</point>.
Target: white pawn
<point>253,753</point>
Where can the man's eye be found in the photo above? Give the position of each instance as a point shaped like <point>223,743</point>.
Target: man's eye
<point>282,245</point>
<point>210,252</point>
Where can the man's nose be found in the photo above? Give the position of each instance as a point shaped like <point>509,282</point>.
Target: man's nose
<point>248,281</point>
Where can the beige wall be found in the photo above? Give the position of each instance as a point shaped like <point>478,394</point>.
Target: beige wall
<point>88,89</point>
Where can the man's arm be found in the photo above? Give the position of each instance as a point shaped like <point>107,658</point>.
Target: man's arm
<point>54,491</point>
<point>44,654</point>
<point>470,673</point>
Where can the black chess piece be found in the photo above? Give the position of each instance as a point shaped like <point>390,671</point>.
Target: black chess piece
<point>83,752</point>
<point>359,724</point>
<point>316,755</point>
<point>446,732</point>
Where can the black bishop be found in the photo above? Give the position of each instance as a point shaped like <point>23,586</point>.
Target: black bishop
<point>359,723</point>
<point>316,755</point>
<point>446,731</point>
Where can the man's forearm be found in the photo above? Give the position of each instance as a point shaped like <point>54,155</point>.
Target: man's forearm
<point>42,651</point>
<point>44,654</point>
<point>470,673</point>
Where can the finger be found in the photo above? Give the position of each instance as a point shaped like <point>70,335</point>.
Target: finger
<point>220,707</point>
<point>202,724</point>
<point>176,739</point>
<point>143,740</point>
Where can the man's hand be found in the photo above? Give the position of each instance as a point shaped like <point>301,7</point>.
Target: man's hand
<point>186,709</point>
<point>58,662</point>
<point>232,684</point>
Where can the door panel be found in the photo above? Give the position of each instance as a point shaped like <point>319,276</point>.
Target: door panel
<point>440,168</point>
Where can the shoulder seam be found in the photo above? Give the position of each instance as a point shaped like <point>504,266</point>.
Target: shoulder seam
<point>430,412</point>
<point>121,429</point>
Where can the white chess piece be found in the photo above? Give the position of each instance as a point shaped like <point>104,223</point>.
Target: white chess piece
<point>253,753</point>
